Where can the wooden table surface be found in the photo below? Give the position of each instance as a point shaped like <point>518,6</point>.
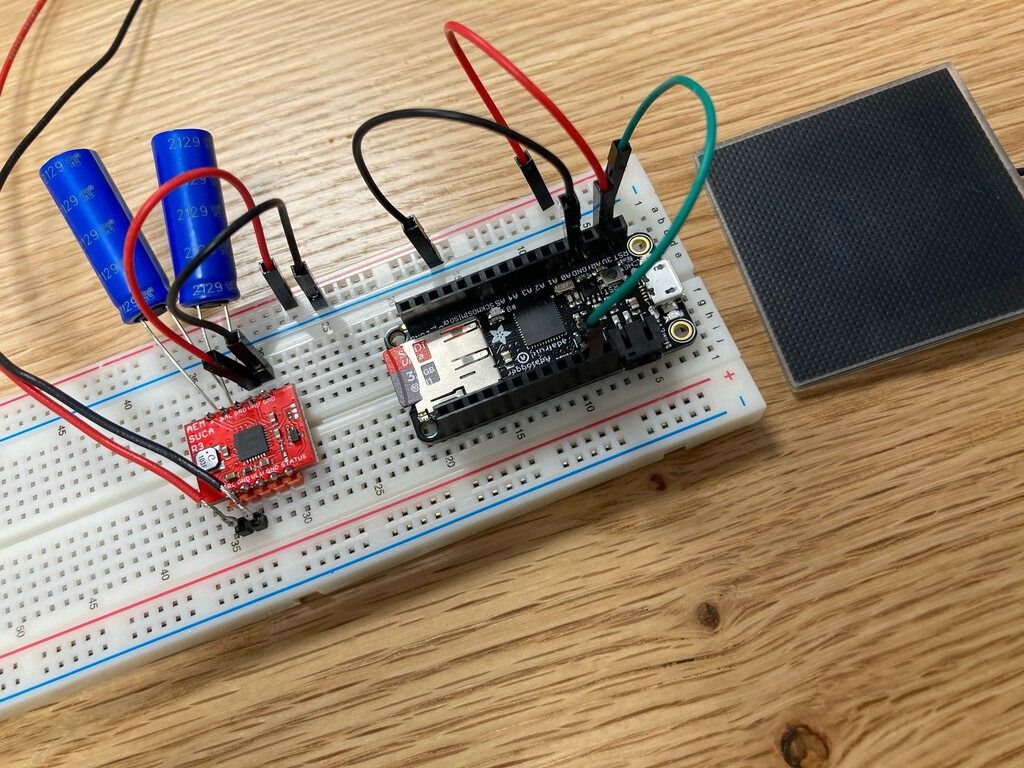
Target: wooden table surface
<point>841,585</point>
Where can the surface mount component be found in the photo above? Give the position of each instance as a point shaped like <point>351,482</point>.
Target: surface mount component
<point>255,448</point>
<point>513,334</point>
<point>874,226</point>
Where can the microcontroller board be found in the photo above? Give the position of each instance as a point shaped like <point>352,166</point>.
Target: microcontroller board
<point>256,448</point>
<point>516,333</point>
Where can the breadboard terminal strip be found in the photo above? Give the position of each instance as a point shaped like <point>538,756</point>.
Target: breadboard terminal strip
<point>116,568</point>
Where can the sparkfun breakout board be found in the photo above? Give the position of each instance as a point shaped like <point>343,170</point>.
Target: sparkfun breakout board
<point>256,448</point>
<point>103,567</point>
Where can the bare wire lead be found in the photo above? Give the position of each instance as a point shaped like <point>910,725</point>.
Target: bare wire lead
<point>227,519</point>
<point>182,371</point>
<point>247,513</point>
<point>209,348</point>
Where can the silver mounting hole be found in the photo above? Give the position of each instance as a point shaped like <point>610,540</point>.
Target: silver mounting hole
<point>682,331</point>
<point>396,336</point>
<point>639,244</point>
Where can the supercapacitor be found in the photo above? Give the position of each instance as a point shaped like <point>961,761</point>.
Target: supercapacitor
<point>194,214</point>
<point>92,206</point>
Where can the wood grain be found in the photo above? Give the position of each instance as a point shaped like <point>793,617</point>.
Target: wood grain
<point>842,585</point>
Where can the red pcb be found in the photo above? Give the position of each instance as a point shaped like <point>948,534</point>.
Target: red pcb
<point>255,448</point>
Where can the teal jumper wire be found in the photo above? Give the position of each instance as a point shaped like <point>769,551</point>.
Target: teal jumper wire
<point>631,283</point>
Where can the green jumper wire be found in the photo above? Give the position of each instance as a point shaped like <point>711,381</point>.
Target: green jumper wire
<point>634,279</point>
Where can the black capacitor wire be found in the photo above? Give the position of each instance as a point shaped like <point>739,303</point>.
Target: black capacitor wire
<point>37,382</point>
<point>572,207</point>
<point>227,233</point>
<point>65,97</point>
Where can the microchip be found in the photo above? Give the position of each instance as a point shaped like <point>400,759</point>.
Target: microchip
<point>540,323</point>
<point>251,443</point>
<point>294,435</point>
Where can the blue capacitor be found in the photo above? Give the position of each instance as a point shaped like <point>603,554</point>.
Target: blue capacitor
<point>79,184</point>
<point>194,214</point>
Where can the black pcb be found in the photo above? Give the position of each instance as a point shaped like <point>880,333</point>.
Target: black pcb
<point>875,226</point>
<point>530,315</point>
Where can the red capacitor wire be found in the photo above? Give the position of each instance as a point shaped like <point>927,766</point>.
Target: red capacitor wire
<point>136,228</point>
<point>453,29</point>
<point>22,34</point>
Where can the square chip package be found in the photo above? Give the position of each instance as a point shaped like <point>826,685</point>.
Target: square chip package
<point>251,443</point>
<point>539,323</point>
<point>875,226</point>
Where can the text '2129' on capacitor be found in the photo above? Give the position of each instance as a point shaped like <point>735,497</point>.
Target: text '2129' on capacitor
<point>98,216</point>
<point>194,215</point>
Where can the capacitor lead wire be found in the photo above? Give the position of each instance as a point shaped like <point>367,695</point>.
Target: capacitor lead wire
<point>209,347</point>
<point>182,371</point>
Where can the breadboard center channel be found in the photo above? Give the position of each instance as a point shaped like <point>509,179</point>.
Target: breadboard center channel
<point>103,567</point>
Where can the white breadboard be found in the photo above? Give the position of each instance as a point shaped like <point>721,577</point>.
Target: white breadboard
<point>103,567</point>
